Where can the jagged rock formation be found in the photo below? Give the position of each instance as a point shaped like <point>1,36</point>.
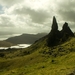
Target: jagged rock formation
<point>67,30</point>
<point>56,37</point>
<point>54,25</point>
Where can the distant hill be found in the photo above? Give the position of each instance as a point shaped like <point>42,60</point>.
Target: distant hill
<point>25,38</point>
<point>5,44</point>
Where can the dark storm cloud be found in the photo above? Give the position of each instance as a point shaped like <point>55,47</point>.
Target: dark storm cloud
<point>67,15</point>
<point>66,9</point>
<point>37,16</point>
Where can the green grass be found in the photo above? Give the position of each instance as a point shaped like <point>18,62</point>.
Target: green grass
<point>39,60</point>
<point>38,64</point>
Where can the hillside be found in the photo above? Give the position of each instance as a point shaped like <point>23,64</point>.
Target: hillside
<point>42,58</point>
<point>25,38</point>
<point>41,61</point>
<point>5,44</point>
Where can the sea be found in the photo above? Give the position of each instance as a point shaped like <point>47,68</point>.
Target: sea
<point>16,46</point>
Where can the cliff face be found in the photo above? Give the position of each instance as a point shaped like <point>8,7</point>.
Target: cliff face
<point>56,37</point>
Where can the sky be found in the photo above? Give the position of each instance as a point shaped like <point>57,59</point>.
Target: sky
<point>34,16</point>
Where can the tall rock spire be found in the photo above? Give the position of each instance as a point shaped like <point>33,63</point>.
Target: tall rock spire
<point>54,24</point>
<point>53,39</point>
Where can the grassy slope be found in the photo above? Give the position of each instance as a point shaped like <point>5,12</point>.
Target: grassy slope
<point>40,62</point>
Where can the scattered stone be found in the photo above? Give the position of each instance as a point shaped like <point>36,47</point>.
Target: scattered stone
<point>71,74</point>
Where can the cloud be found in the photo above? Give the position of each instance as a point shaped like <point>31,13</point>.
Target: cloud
<point>9,2</point>
<point>34,16</point>
<point>1,9</point>
<point>6,21</point>
<point>68,15</point>
<point>66,9</point>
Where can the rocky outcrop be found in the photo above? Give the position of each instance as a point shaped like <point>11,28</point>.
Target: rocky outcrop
<point>53,35</point>
<point>54,25</point>
<point>56,37</point>
<point>66,30</point>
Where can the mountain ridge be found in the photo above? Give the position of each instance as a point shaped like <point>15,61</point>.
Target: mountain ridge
<point>6,44</point>
<point>25,38</point>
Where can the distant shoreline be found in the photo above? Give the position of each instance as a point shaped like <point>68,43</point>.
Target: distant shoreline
<point>16,46</point>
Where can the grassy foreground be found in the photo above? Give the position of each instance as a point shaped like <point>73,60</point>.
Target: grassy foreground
<point>41,61</point>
